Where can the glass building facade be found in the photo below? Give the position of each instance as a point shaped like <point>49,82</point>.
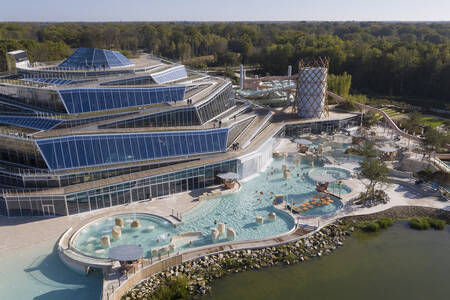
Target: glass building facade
<point>95,150</point>
<point>172,74</point>
<point>14,178</point>
<point>89,100</point>
<point>152,187</point>
<point>116,194</point>
<point>138,80</point>
<point>92,58</point>
<point>29,122</point>
<point>175,117</point>
<point>222,100</point>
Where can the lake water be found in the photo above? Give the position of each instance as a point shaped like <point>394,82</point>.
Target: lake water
<point>399,263</point>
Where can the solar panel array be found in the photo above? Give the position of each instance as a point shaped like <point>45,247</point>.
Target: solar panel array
<point>93,150</point>
<point>172,74</point>
<point>138,80</point>
<point>88,100</point>
<point>29,122</point>
<point>90,58</point>
<point>55,81</point>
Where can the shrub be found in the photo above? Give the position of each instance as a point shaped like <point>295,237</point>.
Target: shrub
<point>437,224</point>
<point>371,227</point>
<point>385,222</point>
<point>176,288</point>
<point>419,223</point>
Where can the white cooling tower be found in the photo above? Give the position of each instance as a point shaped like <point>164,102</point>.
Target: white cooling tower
<point>312,92</point>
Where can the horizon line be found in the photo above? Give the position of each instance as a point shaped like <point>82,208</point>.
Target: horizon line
<point>237,21</point>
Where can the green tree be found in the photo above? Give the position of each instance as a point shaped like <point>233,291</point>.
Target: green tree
<point>340,84</point>
<point>369,119</point>
<point>413,124</point>
<point>435,139</point>
<point>368,150</point>
<point>376,172</point>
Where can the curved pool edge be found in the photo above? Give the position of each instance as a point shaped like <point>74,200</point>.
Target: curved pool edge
<point>71,254</point>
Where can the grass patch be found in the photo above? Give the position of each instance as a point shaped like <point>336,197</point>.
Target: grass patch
<point>432,122</point>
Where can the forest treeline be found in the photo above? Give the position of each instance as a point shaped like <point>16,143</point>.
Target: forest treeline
<point>389,59</point>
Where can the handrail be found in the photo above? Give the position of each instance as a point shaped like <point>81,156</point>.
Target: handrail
<point>440,164</point>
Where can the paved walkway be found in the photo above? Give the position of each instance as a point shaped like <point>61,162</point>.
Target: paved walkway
<point>21,232</point>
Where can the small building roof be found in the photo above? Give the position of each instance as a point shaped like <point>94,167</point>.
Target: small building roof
<point>91,58</point>
<point>126,253</point>
<point>228,175</point>
<point>303,141</point>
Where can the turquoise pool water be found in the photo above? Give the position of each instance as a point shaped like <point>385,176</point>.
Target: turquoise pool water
<point>336,173</point>
<point>36,272</point>
<point>298,200</point>
<point>238,210</point>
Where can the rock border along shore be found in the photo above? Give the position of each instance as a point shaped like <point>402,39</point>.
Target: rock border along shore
<point>201,272</point>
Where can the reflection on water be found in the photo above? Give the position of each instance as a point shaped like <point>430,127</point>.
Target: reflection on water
<point>399,263</point>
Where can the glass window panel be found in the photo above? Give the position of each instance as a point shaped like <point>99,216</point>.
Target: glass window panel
<point>177,145</point>
<point>157,146</point>
<point>73,153</point>
<point>142,147</point>
<point>89,151</point>
<point>190,143</point>
<point>97,151</point>
<point>184,144</point>
<point>135,148</point>
<point>66,154</point>
<point>81,152</point>
<point>149,146</point>
<point>113,157</point>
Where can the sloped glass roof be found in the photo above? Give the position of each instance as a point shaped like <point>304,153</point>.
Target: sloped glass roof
<point>37,123</point>
<point>92,58</point>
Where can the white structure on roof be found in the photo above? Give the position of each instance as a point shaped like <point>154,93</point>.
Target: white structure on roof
<point>21,58</point>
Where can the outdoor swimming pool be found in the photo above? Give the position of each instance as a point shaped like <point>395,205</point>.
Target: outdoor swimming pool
<point>238,210</point>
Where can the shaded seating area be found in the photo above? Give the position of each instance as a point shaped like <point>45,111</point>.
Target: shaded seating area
<point>128,256</point>
<point>387,153</point>
<point>302,145</point>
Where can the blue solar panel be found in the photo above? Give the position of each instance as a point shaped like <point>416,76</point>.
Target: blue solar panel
<point>29,122</point>
<point>93,150</point>
<point>88,100</point>
<point>55,81</point>
<point>90,58</point>
<point>170,75</point>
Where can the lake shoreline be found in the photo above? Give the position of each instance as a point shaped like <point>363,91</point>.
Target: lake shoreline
<point>200,273</point>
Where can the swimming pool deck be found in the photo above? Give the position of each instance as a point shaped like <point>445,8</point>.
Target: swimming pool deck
<point>22,231</point>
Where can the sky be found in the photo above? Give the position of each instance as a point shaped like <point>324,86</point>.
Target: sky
<point>224,10</point>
